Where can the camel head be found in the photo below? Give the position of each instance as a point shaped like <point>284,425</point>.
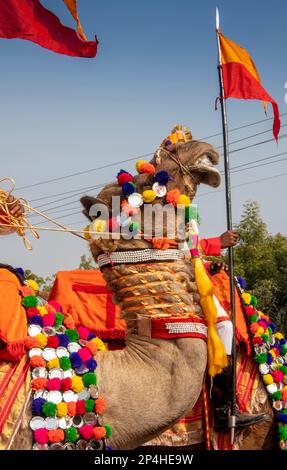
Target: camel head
<point>187,164</point>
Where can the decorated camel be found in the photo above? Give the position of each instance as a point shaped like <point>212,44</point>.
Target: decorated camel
<point>171,337</point>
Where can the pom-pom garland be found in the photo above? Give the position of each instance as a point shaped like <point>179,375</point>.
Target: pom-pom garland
<point>49,318</point>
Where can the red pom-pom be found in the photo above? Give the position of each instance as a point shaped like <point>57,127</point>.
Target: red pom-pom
<point>41,436</point>
<point>86,431</point>
<point>80,407</point>
<point>53,342</point>
<point>54,384</point>
<point>84,354</point>
<point>83,332</point>
<point>277,375</point>
<point>146,168</point>
<point>172,197</point>
<point>276,351</point>
<point>49,319</point>
<point>113,224</point>
<point>100,405</point>
<point>257,340</point>
<point>124,177</point>
<point>99,433</point>
<point>66,384</point>
<point>32,312</point>
<point>249,310</point>
<point>56,435</point>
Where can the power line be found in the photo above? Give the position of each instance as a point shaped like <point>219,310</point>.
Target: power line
<point>52,180</point>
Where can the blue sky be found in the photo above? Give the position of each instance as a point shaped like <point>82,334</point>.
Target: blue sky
<point>156,66</point>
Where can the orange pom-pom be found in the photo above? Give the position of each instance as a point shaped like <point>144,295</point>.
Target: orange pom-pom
<point>50,308</point>
<point>31,342</point>
<point>72,408</point>
<point>92,346</point>
<point>254,327</point>
<point>128,209</point>
<point>69,322</point>
<point>56,435</point>
<point>172,197</point>
<point>100,405</point>
<point>160,243</point>
<point>26,290</point>
<point>37,361</point>
<point>284,394</point>
<point>39,383</point>
<point>99,433</point>
<point>146,168</point>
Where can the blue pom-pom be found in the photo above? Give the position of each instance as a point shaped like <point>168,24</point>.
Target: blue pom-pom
<point>282,418</point>
<point>36,320</point>
<point>269,359</point>
<point>241,282</point>
<point>121,172</point>
<point>20,271</point>
<point>91,364</point>
<point>109,448</point>
<point>283,341</point>
<point>272,326</point>
<point>128,188</point>
<point>162,177</point>
<point>91,336</point>
<point>76,361</point>
<point>37,406</point>
<point>167,142</point>
<point>63,340</point>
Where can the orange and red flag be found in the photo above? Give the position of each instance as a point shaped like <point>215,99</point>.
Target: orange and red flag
<point>241,79</point>
<point>28,19</point>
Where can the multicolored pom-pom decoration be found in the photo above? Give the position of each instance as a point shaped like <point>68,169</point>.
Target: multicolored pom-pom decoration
<point>66,405</point>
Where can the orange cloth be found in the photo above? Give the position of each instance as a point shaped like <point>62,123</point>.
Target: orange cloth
<point>13,320</point>
<point>84,295</point>
<point>221,288</point>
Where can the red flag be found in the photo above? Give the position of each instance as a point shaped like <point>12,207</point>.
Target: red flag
<point>28,19</point>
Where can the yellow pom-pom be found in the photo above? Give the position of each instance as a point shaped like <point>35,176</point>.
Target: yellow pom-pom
<point>33,284</point>
<point>260,331</point>
<point>62,409</point>
<point>148,195</point>
<point>53,363</point>
<point>278,335</point>
<point>268,379</point>
<point>246,297</point>
<point>184,200</point>
<point>87,232</point>
<point>77,384</point>
<point>42,340</point>
<point>272,354</point>
<point>100,345</point>
<point>42,310</point>
<point>138,164</point>
<point>99,226</point>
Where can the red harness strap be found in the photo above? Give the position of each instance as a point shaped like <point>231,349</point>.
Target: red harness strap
<point>172,327</point>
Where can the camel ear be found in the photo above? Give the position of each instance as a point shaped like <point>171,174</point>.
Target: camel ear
<point>87,202</point>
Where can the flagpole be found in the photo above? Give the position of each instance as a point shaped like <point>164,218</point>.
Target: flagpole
<point>232,417</point>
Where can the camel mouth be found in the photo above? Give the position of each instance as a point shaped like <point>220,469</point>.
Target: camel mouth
<point>204,167</point>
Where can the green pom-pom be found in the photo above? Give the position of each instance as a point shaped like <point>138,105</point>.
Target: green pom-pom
<point>261,358</point>
<point>277,395</point>
<point>73,335</point>
<point>283,369</point>
<point>30,301</point>
<point>253,318</point>
<point>269,330</point>
<point>253,301</point>
<point>59,318</point>
<point>89,379</point>
<point>71,435</point>
<point>49,409</point>
<point>90,405</point>
<point>284,348</point>
<point>109,431</point>
<point>65,363</point>
<point>265,337</point>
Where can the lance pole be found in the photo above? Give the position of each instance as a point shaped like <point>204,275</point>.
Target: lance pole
<point>232,415</point>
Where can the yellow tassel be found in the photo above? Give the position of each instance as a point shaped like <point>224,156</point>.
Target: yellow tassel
<point>217,358</point>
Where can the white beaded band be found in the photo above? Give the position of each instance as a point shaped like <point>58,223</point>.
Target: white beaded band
<point>138,256</point>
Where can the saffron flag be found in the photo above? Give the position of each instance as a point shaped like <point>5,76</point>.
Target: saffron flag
<point>72,7</point>
<point>28,19</point>
<point>241,79</point>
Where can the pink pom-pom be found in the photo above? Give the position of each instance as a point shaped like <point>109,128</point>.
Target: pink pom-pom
<point>87,431</point>
<point>84,354</point>
<point>277,375</point>
<point>49,319</point>
<point>41,436</point>
<point>54,384</point>
<point>83,332</point>
<point>263,324</point>
<point>56,305</point>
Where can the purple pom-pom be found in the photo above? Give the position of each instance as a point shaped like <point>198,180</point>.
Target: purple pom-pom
<point>91,364</point>
<point>162,177</point>
<point>241,282</point>
<point>76,360</point>
<point>36,320</point>
<point>269,359</point>
<point>282,418</point>
<point>283,341</point>
<point>109,448</point>
<point>37,406</point>
<point>20,271</point>
<point>63,340</point>
<point>91,336</point>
